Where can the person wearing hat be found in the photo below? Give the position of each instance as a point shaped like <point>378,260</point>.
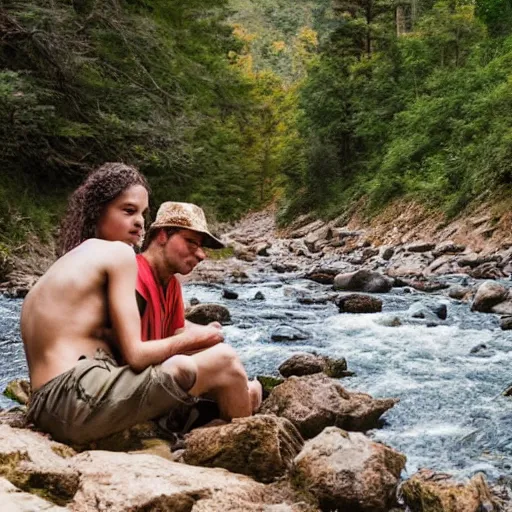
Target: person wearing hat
<point>86,385</point>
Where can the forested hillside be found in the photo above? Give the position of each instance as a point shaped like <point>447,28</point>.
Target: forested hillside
<point>236,103</point>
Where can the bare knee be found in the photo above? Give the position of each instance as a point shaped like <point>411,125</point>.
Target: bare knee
<point>183,369</point>
<point>228,360</point>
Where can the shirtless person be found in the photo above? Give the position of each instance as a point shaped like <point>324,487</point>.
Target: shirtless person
<point>80,392</point>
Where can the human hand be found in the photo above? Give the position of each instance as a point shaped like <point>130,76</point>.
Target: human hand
<point>207,335</point>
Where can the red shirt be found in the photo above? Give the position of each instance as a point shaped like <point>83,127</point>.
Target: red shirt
<point>165,311</point>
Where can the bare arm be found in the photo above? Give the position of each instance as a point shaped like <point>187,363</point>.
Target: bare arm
<point>122,275</point>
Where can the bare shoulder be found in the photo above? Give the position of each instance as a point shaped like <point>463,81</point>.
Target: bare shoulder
<point>110,253</point>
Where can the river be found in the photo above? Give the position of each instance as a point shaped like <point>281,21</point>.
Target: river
<point>449,375</point>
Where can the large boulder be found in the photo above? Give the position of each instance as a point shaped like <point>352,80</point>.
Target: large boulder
<point>363,281</point>
<point>506,323</point>
<point>421,246</point>
<point>118,482</point>
<point>358,303</point>
<point>488,295</point>
<point>309,364</point>
<point>314,402</point>
<point>260,446</point>
<point>348,471</point>
<point>205,313</point>
<point>428,491</point>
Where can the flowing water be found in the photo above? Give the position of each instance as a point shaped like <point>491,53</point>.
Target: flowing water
<point>449,375</point>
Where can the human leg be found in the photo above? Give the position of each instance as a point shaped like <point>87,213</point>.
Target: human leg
<point>220,374</point>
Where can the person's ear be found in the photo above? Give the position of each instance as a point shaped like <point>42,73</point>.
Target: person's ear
<point>162,237</point>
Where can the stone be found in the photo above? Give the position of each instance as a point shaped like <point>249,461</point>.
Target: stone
<point>268,383</point>
<point>473,260</point>
<point>358,303</point>
<point>488,295</point>
<point>448,247</point>
<point>15,500</point>
<point>420,246</point>
<point>261,446</point>
<point>229,294</point>
<point>363,281</point>
<point>348,471</point>
<point>281,268</point>
<point>203,314</point>
<point>314,402</point>
<point>288,333</point>
<point>487,270</point>
<point>308,364</point>
<point>259,296</point>
<point>18,390</point>
<point>429,491</point>
<point>386,253</point>
<point>389,321</point>
<point>260,248</point>
<point>458,292</point>
<point>427,286</point>
<point>14,417</point>
<point>506,323</point>
<point>322,275</point>
<point>430,312</point>
<point>312,239</point>
<point>308,228</point>
<point>35,464</point>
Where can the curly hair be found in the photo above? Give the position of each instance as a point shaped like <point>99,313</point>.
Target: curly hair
<point>87,202</point>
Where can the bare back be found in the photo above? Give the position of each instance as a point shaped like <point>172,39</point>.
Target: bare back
<point>66,312</point>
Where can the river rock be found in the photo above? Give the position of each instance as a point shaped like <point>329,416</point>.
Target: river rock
<point>486,271</point>
<point>18,390</point>
<point>431,312</point>
<point>420,246</point>
<point>229,294</point>
<point>308,364</point>
<point>14,417</point>
<point>488,295</point>
<point>308,228</point>
<point>314,402</point>
<point>288,333</point>
<point>358,303</point>
<point>473,260</point>
<point>314,238</point>
<point>387,252</point>
<point>35,464</point>
<point>322,275</point>
<point>203,314</point>
<point>15,500</point>
<point>506,323</point>
<point>348,471</point>
<point>259,296</point>
<point>427,286</point>
<point>281,268</point>
<point>363,281</point>
<point>409,264</point>
<point>428,491</point>
<point>261,446</point>
<point>260,248</point>
<point>459,292</point>
<point>268,383</point>
<point>448,247</point>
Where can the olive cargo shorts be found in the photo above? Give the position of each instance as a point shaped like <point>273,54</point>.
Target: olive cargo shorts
<point>97,397</point>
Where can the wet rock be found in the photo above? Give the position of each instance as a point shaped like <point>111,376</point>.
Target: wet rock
<point>427,286</point>
<point>14,417</point>
<point>409,264</point>
<point>194,301</point>
<point>506,323</point>
<point>421,246</point>
<point>419,310</point>
<point>369,252</point>
<point>288,333</point>
<point>348,471</point>
<point>488,295</point>
<point>358,303</point>
<point>259,296</point>
<point>281,268</point>
<point>459,292</point>
<point>314,402</point>
<point>18,390</point>
<point>508,391</point>
<point>229,294</point>
<point>322,299</point>
<point>308,364</point>
<point>429,491</point>
<point>386,253</point>
<point>448,247</point>
<point>203,314</point>
<point>363,281</point>
<point>268,383</point>
<point>389,321</point>
<point>322,275</point>
<point>260,446</point>
<point>478,348</point>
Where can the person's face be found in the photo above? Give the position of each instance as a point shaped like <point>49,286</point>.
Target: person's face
<point>123,218</point>
<point>183,251</point>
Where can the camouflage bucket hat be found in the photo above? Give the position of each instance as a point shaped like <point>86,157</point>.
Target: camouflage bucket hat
<point>186,216</point>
